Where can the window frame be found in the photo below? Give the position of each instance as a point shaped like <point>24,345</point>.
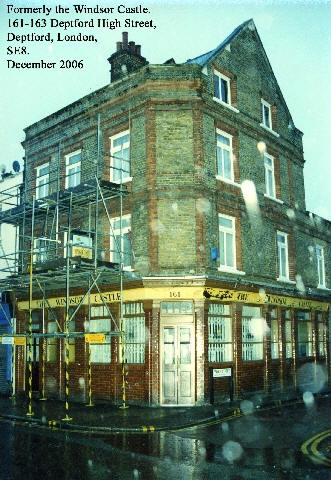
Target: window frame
<point>320,266</point>
<point>308,322</point>
<point>121,233</point>
<point>98,350</point>
<point>229,149</point>
<point>226,230</point>
<point>248,344</point>
<point>228,81</point>
<point>134,321</point>
<point>113,151</point>
<point>265,121</point>
<point>279,246</point>
<point>269,169</point>
<point>217,346</point>
<point>275,337</point>
<point>41,178</point>
<point>68,175</point>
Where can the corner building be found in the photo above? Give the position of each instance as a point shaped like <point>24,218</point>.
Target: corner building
<point>219,264</point>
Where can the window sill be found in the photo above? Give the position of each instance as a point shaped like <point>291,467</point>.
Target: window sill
<point>226,180</point>
<point>124,180</point>
<point>227,105</point>
<point>323,287</point>
<point>231,270</point>
<point>286,280</point>
<point>274,199</point>
<point>269,130</point>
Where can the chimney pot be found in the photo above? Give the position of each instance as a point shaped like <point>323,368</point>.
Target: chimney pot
<point>118,46</point>
<point>138,49</point>
<point>125,39</point>
<point>131,45</point>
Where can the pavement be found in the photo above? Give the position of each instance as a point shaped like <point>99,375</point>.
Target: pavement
<point>108,418</point>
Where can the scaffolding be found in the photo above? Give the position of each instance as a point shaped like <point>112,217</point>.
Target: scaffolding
<point>62,244</point>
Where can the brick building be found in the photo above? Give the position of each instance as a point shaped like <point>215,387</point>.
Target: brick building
<point>170,205</point>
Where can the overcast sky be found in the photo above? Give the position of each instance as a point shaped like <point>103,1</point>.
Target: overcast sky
<point>295,35</point>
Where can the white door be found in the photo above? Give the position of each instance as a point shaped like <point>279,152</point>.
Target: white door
<point>177,362</point>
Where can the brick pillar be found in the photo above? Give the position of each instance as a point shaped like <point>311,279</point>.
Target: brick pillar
<point>294,348</point>
<point>267,350</point>
<point>155,353</point>
<point>237,349</point>
<point>201,363</point>
<point>282,348</point>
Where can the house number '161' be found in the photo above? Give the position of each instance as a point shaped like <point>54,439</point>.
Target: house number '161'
<point>174,294</point>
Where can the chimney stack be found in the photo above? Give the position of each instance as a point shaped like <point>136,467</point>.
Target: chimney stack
<point>126,59</point>
<point>125,39</point>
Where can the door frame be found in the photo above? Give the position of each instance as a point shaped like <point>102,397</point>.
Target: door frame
<point>178,321</point>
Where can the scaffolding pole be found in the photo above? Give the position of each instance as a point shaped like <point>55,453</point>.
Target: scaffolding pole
<point>30,413</point>
<point>67,418</point>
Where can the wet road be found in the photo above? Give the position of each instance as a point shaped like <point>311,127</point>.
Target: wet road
<point>263,445</point>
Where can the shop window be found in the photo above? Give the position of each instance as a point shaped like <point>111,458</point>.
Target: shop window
<point>252,334</point>
<point>305,334</point>
<point>321,330</point>
<point>120,240</point>
<point>134,330</point>
<point>286,317</point>
<point>274,334</point>
<point>220,348</point>
<point>73,169</point>
<point>100,353</point>
<point>51,353</point>
<point>120,157</point>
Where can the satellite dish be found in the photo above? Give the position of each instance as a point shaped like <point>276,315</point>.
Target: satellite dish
<point>16,166</point>
<point>2,168</point>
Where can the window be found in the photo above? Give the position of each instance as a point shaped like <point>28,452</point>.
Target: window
<point>222,89</point>
<point>219,333</point>
<point>51,354</point>
<point>274,334</point>
<point>134,329</point>
<point>286,317</point>
<point>175,308</point>
<point>252,334</point>
<point>269,174</point>
<point>100,353</point>
<point>40,250</point>
<point>227,236</point>
<point>305,334</point>
<point>120,157</point>
<point>224,155</point>
<point>282,247</point>
<point>42,181</point>
<point>120,241</point>
<point>266,114</point>
<point>73,168</point>
<point>321,326</point>
<point>320,266</point>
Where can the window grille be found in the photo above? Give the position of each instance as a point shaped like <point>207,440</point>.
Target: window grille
<point>220,347</point>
